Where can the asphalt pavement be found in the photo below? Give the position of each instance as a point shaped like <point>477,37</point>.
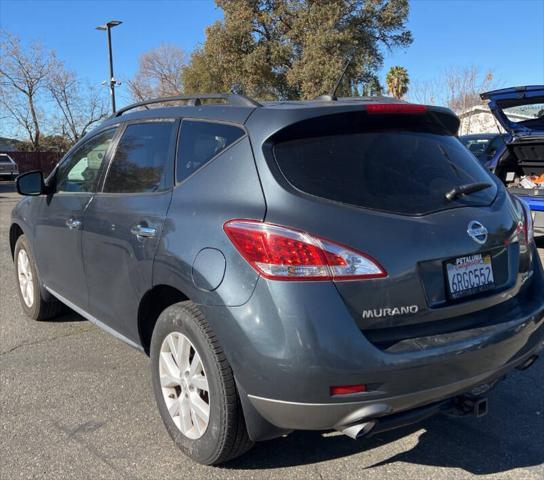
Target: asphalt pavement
<point>76,403</point>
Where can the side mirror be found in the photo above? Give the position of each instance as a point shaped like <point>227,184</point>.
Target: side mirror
<point>30,183</point>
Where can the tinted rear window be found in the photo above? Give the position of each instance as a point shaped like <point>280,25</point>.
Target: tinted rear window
<point>4,159</point>
<point>394,170</point>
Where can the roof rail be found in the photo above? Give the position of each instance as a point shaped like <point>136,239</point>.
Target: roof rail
<point>194,101</point>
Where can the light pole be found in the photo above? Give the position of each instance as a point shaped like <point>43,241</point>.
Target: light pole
<point>108,26</point>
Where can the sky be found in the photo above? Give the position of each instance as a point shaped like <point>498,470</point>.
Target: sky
<point>506,36</point>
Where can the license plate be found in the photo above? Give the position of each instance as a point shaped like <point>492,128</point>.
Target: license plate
<point>469,275</point>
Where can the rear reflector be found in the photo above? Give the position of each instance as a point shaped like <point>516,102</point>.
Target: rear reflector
<point>347,389</point>
<point>281,253</point>
<point>395,108</point>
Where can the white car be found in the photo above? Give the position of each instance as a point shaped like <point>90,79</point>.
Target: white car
<point>8,168</point>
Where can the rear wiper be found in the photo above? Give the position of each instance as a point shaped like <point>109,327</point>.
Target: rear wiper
<point>466,189</point>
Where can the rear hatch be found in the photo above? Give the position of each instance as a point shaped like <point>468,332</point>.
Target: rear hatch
<point>520,110</point>
<point>378,182</point>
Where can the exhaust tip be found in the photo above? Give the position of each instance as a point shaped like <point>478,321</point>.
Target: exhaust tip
<point>528,363</point>
<point>357,430</point>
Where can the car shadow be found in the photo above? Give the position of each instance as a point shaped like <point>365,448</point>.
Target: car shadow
<point>502,441</point>
<point>67,316</point>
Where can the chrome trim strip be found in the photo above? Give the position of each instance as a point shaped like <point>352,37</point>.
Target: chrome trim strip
<point>94,320</point>
<point>362,401</point>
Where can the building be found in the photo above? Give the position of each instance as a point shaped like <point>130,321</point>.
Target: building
<point>479,119</point>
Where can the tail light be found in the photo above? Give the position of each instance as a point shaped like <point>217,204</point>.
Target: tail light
<point>528,226</point>
<point>395,108</point>
<point>281,253</point>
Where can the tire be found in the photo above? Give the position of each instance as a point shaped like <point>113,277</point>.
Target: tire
<point>225,436</point>
<point>34,305</point>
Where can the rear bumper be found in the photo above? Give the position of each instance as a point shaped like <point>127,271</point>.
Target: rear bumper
<point>292,341</point>
<point>536,204</point>
<point>537,207</point>
<point>324,416</point>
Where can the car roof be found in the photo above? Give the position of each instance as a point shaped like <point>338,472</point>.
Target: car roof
<point>237,112</point>
<point>261,118</point>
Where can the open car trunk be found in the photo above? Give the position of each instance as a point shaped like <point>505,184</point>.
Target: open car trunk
<point>521,167</point>
<point>520,111</point>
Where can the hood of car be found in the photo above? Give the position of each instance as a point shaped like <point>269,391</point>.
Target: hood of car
<point>520,110</point>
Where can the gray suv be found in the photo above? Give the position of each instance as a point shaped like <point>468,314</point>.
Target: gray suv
<point>331,264</point>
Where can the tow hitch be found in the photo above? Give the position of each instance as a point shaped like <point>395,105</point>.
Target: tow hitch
<point>469,405</point>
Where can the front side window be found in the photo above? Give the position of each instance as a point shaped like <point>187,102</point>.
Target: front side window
<point>201,141</point>
<point>81,170</point>
<point>141,162</point>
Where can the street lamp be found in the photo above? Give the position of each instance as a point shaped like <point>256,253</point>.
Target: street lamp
<point>108,26</point>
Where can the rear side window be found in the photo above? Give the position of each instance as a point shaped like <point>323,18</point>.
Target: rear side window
<point>201,141</point>
<point>142,160</point>
<point>390,169</point>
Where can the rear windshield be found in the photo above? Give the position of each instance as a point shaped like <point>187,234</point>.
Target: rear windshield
<point>524,113</point>
<point>394,170</point>
<point>4,159</point>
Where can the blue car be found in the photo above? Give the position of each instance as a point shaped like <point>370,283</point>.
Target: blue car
<point>486,147</point>
<point>520,110</point>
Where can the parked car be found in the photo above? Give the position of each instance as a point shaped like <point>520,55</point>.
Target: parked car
<point>331,264</point>
<point>521,164</point>
<point>485,146</point>
<point>8,168</point>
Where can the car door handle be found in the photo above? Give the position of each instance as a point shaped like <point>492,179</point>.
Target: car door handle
<point>73,224</point>
<point>144,232</point>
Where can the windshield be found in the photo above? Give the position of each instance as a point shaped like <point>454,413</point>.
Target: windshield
<point>477,146</point>
<point>394,170</point>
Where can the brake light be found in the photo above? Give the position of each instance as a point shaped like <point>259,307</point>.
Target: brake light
<point>395,108</point>
<point>347,389</point>
<point>280,253</point>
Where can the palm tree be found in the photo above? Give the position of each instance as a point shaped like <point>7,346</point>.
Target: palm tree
<point>397,81</point>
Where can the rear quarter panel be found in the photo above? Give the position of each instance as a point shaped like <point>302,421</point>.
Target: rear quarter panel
<point>227,187</point>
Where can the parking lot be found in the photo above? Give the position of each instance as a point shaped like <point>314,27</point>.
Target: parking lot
<point>77,403</point>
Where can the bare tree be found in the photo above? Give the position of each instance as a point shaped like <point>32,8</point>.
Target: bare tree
<point>464,85</point>
<point>426,92</point>
<point>159,73</point>
<point>80,105</point>
<point>23,76</point>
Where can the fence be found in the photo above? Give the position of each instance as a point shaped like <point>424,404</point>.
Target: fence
<point>44,161</point>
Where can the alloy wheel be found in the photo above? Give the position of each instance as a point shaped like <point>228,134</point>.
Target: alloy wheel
<point>26,284</point>
<point>184,385</point>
